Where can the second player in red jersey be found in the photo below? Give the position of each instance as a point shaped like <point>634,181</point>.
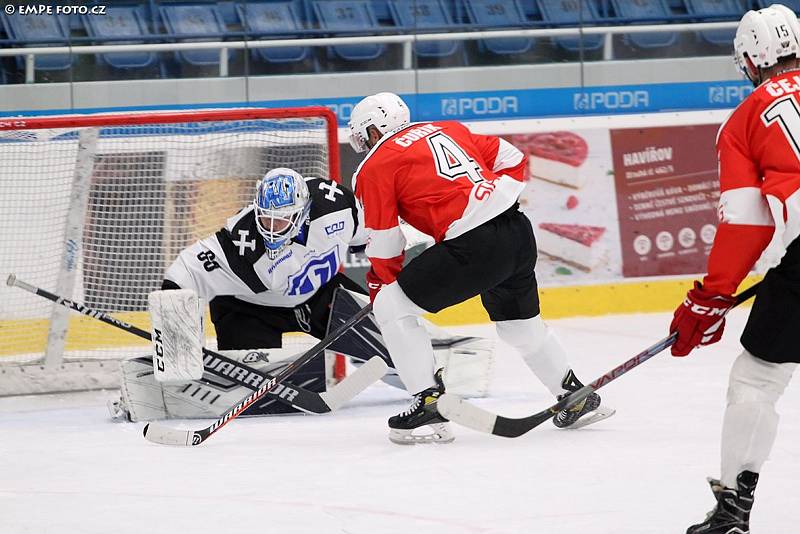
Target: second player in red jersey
<point>759,174</point>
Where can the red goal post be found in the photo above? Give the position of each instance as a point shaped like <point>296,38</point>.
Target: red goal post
<point>95,207</point>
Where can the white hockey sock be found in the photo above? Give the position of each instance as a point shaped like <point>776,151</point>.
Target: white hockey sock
<point>539,348</point>
<point>405,337</point>
<point>751,422</point>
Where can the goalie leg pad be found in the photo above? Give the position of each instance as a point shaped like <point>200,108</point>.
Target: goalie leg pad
<point>751,422</point>
<point>467,365</point>
<point>177,331</point>
<point>141,396</point>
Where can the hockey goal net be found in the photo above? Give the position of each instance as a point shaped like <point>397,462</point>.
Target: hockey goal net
<point>95,208</point>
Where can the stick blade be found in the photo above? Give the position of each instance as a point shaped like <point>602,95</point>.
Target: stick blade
<point>355,383</point>
<point>466,414</point>
<point>169,436</point>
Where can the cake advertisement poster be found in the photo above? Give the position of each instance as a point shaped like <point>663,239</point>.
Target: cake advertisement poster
<point>570,199</point>
<point>667,191</point>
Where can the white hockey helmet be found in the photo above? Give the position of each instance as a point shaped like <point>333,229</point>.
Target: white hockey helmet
<point>384,111</point>
<point>281,207</point>
<point>764,37</point>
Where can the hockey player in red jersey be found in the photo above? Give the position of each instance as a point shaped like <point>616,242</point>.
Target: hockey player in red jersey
<point>462,189</point>
<point>759,173</point>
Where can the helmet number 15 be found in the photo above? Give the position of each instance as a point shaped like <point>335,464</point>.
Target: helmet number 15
<point>451,161</point>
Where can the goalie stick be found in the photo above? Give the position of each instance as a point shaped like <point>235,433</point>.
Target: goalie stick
<point>471,416</point>
<point>295,396</point>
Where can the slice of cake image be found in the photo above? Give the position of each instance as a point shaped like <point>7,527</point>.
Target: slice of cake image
<point>555,156</point>
<point>574,244</point>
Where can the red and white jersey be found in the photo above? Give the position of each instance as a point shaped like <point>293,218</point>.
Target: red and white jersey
<point>438,177</point>
<point>759,164</point>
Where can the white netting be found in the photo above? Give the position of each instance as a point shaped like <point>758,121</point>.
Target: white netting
<point>153,190</point>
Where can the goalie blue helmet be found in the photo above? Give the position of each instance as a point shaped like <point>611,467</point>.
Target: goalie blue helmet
<point>281,207</point>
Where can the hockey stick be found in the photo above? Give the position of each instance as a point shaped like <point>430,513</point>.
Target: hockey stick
<point>294,396</point>
<point>169,436</point>
<point>471,416</point>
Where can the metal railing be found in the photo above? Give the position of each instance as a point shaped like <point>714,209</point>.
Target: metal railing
<point>407,42</point>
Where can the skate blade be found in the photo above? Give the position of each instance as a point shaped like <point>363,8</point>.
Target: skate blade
<point>439,433</point>
<point>602,412</point>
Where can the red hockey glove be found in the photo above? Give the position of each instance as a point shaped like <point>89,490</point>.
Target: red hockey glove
<point>699,320</point>
<point>374,284</point>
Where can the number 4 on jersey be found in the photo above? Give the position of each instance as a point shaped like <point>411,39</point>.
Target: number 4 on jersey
<point>451,160</point>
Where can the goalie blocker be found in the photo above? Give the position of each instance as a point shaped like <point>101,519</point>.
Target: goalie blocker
<point>467,364</point>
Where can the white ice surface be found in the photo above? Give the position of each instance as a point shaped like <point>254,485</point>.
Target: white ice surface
<point>65,468</point>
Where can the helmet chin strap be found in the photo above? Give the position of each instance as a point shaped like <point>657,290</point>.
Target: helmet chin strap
<point>752,72</point>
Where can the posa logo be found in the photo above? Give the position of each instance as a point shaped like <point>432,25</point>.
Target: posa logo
<point>491,105</point>
<point>728,94</point>
<point>610,100</point>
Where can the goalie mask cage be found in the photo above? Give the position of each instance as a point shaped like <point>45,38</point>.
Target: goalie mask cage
<point>96,207</point>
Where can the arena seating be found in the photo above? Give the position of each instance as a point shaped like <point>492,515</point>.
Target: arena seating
<point>124,24</point>
<point>274,20</point>
<point>499,14</point>
<point>349,17</point>
<point>716,10</point>
<point>654,12</point>
<point>194,19</point>
<point>570,14</point>
<point>135,21</point>
<point>39,31</point>
<point>425,15</point>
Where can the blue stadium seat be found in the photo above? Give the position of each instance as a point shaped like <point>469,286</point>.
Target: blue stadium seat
<point>531,10</point>
<point>720,10</point>
<point>656,11</point>
<point>32,30</point>
<point>382,10</point>
<point>791,4</point>
<point>349,16</point>
<point>425,14</point>
<point>121,21</point>
<point>194,19</point>
<point>572,13</point>
<point>228,11</point>
<point>499,14</point>
<point>279,20</point>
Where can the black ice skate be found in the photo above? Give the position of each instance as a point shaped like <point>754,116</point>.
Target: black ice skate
<point>421,413</point>
<point>584,413</point>
<point>731,515</point>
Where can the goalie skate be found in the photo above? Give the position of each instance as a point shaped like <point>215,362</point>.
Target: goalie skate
<point>422,422</point>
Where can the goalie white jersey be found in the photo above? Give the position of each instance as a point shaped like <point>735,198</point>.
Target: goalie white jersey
<point>234,261</point>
